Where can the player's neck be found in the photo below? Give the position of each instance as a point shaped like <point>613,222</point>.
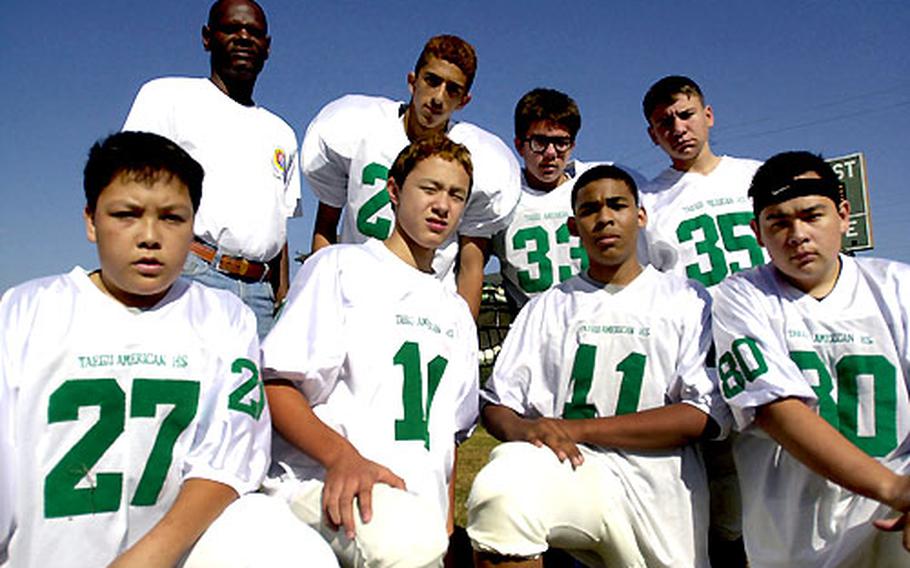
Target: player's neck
<point>410,252</point>
<point>704,163</point>
<point>617,275</point>
<point>415,131</point>
<point>241,92</point>
<point>539,185</point>
<point>818,289</point>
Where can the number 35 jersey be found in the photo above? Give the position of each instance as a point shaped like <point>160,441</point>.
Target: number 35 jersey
<point>386,356</point>
<point>698,225</point>
<point>110,410</point>
<point>346,155</point>
<point>847,356</point>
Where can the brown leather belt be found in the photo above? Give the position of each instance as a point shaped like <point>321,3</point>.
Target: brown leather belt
<point>236,266</point>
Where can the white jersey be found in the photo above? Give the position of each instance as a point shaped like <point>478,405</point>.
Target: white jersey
<point>578,351</point>
<point>536,250</point>
<point>848,357</point>
<point>113,409</point>
<point>698,225</point>
<point>251,183</point>
<point>346,155</point>
<point>387,357</point>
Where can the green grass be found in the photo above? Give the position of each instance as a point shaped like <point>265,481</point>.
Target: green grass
<point>472,455</point>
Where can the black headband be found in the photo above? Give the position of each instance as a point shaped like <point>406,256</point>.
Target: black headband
<point>796,188</point>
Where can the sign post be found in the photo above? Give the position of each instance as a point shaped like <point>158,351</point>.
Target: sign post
<point>851,169</point>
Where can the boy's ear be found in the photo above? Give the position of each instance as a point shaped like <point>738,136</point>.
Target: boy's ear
<point>572,225</point>
<point>394,191</point>
<point>754,224</point>
<point>843,211</point>
<point>89,219</point>
<point>412,80</point>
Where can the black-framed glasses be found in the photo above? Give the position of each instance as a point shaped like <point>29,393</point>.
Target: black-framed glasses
<point>539,143</point>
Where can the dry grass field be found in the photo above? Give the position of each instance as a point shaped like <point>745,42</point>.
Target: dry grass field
<point>472,455</point>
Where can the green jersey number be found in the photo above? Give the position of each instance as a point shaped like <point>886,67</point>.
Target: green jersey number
<point>539,256</point>
<point>369,222</point>
<point>745,362</point>
<point>723,231</point>
<point>632,369</point>
<point>415,424</point>
<point>61,496</point>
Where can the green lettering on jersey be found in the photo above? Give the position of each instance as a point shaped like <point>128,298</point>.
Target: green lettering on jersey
<point>415,424</point>
<point>540,256</point>
<point>254,406</point>
<point>61,496</point>
<point>369,222</point>
<point>708,245</point>
<point>632,368</point>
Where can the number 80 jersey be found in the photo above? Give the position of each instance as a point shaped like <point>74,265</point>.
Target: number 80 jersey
<point>110,410</point>
<point>698,225</point>
<point>845,355</point>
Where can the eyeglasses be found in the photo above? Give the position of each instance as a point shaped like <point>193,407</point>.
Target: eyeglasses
<point>539,143</point>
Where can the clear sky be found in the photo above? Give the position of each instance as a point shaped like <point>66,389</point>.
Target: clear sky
<point>832,77</point>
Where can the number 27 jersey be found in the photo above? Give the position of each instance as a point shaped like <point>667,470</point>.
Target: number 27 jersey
<point>112,410</point>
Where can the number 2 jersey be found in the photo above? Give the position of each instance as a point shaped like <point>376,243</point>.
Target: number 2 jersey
<point>580,351</point>
<point>346,155</point>
<point>698,225</point>
<point>110,410</point>
<point>848,357</point>
<point>386,355</point>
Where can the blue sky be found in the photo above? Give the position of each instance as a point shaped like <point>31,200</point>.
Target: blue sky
<point>832,77</point>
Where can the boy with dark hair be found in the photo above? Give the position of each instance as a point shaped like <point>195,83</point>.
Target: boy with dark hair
<point>373,375</point>
<point>536,250</point>
<point>349,146</point>
<point>699,214</point>
<point>131,411</point>
<point>814,361</point>
<point>698,208</point>
<point>599,392</point>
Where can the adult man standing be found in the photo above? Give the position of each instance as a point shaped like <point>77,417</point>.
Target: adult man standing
<point>249,155</point>
<point>348,148</point>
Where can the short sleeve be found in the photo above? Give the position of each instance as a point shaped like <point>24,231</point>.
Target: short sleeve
<point>753,363</point>
<point>233,439</point>
<point>325,155</point>
<point>307,343</point>
<point>152,111</point>
<point>694,383</point>
<point>519,361</point>
<point>497,183</point>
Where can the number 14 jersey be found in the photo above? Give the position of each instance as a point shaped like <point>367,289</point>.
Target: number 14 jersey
<point>386,355</point>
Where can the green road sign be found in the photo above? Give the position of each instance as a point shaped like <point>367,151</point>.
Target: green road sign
<point>851,170</point>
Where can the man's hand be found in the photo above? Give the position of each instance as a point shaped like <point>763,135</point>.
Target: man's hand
<point>899,500</point>
<point>350,476</point>
<point>555,434</point>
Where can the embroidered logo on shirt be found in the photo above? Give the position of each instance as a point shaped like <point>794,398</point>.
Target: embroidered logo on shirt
<point>281,165</point>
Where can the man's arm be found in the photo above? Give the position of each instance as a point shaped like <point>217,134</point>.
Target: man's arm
<point>348,474</point>
<point>325,229</point>
<point>472,257</point>
<point>824,450</point>
<point>198,504</point>
<point>279,274</point>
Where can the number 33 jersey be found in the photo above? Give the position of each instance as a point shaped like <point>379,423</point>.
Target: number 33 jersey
<point>109,410</point>
<point>386,356</point>
<point>698,225</point>
<point>847,357</point>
